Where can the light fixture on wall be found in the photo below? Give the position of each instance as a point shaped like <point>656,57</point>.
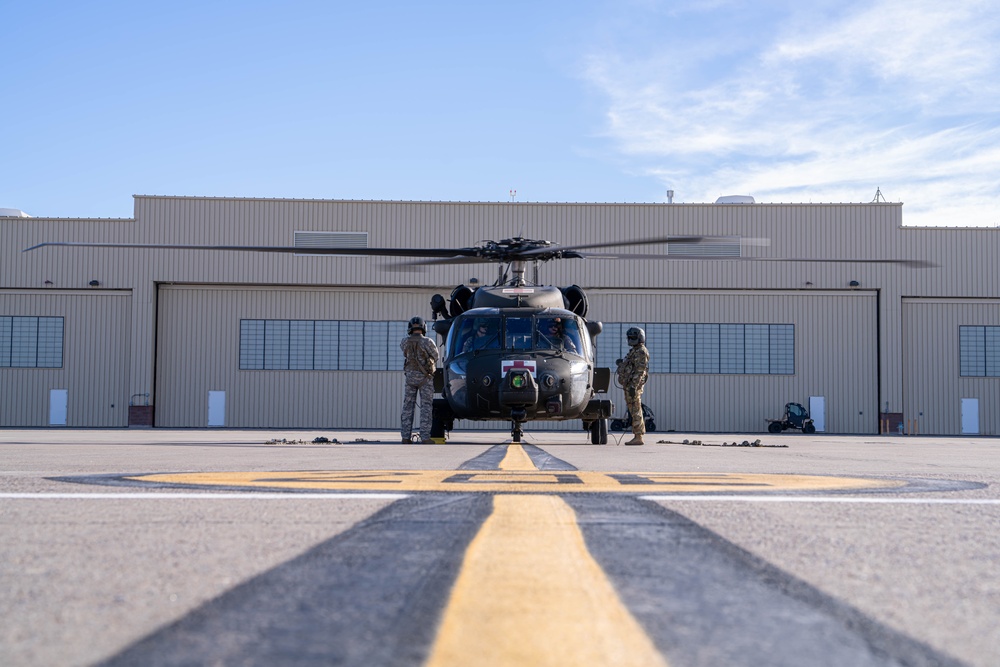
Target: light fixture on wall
<point>94,283</point>
<point>473,281</point>
<point>854,283</point>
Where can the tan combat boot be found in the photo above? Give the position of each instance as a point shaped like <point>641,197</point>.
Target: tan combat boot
<point>636,440</point>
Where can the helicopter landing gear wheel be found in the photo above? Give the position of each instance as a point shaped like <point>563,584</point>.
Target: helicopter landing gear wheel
<point>599,432</point>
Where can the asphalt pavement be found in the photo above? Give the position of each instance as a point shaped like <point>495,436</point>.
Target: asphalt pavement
<point>235,547</point>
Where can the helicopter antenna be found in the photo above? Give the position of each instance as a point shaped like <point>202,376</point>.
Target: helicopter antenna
<point>501,274</point>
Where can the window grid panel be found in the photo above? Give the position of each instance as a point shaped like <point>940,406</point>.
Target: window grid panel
<point>706,346</point>
<point>992,352</point>
<point>658,344</point>
<point>276,345</point>
<point>972,351</point>
<point>756,346</point>
<point>6,329</point>
<point>682,348</point>
<point>352,346</point>
<point>24,342</point>
<point>397,332</point>
<point>731,352</point>
<point>326,345</point>
<point>376,347</point>
<point>609,345</point>
<point>251,345</point>
<point>301,335</point>
<point>782,349</point>
<point>50,342</point>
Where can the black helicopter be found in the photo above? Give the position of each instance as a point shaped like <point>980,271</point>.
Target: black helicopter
<point>514,350</point>
<point>519,351</point>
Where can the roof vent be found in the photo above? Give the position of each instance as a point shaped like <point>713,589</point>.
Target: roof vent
<point>735,199</point>
<point>13,213</point>
<point>307,240</point>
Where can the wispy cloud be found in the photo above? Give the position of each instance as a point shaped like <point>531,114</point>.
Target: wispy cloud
<point>826,105</point>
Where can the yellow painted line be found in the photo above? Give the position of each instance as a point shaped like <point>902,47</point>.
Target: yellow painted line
<point>517,459</point>
<point>518,481</point>
<point>529,593</point>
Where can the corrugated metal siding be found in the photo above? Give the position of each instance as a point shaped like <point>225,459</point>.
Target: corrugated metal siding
<point>198,352</point>
<point>96,358</point>
<point>931,365</point>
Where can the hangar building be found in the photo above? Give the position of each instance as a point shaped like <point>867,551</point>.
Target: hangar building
<point>101,337</point>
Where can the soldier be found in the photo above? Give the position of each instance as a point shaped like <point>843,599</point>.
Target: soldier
<point>420,358</point>
<point>632,373</point>
<point>554,335</point>
<point>481,339</point>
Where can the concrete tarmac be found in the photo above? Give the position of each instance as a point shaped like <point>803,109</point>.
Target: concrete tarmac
<point>714,554</point>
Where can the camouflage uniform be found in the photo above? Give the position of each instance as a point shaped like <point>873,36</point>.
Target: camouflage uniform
<point>420,358</point>
<point>632,374</point>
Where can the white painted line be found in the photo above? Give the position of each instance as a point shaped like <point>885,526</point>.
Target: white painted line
<point>203,496</point>
<point>830,499</point>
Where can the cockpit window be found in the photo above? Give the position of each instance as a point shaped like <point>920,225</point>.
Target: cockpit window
<point>558,333</point>
<point>478,333</point>
<point>562,334</point>
<point>519,333</point>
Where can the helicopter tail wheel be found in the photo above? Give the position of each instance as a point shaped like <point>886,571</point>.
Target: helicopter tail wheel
<point>516,432</point>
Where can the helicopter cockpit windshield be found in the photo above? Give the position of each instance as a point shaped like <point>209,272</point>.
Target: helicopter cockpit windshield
<point>478,333</point>
<point>519,333</point>
<point>557,333</point>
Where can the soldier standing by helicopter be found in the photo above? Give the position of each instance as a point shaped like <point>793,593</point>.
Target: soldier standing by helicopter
<point>420,356</point>
<point>632,373</point>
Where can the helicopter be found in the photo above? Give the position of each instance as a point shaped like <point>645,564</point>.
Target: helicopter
<point>516,350</point>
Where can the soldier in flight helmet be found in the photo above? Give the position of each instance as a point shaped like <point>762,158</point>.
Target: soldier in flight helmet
<point>420,357</point>
<point>416,323</point>
<point>635,335</point>
<point>632,373</point>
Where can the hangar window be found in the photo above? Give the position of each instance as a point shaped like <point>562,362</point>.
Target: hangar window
<point>979,351</point>
<point>321,345</point>
<point>706,348</point>
<point>31,342</point>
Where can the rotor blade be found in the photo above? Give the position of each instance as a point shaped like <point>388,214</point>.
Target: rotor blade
<point>443,261</point>
<point>363,252</point>
<point>692,240</point>
<point>910,263</point>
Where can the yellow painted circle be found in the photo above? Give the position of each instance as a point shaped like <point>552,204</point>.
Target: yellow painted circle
<point>517,481</point>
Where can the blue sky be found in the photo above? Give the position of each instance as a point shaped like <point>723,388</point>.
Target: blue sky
<point>563,101</point>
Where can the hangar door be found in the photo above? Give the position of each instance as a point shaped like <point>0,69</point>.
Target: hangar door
<point>725,361</point>
<point>281,357</point>
<point>951,365</point>
<point>64,358</point>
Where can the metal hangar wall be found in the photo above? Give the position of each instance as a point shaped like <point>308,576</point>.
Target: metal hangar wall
<point>101,337</point>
